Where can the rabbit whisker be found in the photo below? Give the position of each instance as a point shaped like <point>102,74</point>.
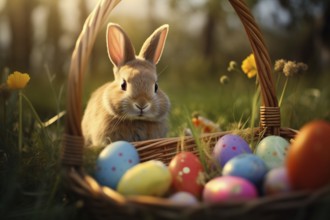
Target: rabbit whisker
<point>162,71</point>
<point>118,120</point>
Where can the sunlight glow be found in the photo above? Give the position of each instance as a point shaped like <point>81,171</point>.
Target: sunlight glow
<point>70,15</point>
<point>2,4</point>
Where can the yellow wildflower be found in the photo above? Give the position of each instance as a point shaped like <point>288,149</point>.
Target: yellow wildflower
<point>18,80</point>
<point>249,66</point>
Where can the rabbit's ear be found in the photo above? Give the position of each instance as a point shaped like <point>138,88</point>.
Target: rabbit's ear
<point>120,48</point>
<point>152,48</point>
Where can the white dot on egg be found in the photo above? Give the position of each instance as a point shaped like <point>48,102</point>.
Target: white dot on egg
<point>186,170</point>
<point>180,173</point>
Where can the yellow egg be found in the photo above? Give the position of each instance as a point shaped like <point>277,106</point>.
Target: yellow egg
<point>151,178</point>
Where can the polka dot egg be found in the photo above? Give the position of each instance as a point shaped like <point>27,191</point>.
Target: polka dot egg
<point>228,188</point>
<point>229,146</point>
<point>187,173</point>
<point>272,149</point>
<point>113,161</point>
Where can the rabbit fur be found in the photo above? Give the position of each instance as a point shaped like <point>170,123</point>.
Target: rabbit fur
<point>132,107</point>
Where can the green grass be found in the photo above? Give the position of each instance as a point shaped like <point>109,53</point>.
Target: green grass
<point>30,181</point>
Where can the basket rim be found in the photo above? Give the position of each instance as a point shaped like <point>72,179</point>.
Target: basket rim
<point>90,190</point>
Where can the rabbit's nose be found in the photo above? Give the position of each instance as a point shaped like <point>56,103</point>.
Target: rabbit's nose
<point>143,107</point>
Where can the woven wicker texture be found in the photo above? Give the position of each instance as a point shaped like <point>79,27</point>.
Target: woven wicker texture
<point>104,203</point>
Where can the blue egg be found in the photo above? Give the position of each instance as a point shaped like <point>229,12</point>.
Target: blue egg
<point>247,166</point>
<point>113,161</point>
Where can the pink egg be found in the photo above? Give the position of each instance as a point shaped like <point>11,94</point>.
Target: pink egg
<point>277,181</point>
<point>187,173</point>
<point>229,146</point>
<point>228,188</point>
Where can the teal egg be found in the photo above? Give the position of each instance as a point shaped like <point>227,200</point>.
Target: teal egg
<point>272,150</point>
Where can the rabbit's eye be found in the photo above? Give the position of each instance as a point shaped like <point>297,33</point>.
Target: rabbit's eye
<point>156,87</point>
<point>124,85</point>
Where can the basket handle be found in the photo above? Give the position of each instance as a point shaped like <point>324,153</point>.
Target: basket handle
<point>73,142</point>
<point>270,120</point>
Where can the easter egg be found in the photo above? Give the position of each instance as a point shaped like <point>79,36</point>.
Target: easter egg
<point>276,181</point>
<point>183,198</point>
<point>113,161</point>
<point>247,166</point>
<point>272,149</point>
<point>151,178</point>
<point>228,188</point>
<point>187,173</point>
<point>308,159</point>
<point>229,146</point>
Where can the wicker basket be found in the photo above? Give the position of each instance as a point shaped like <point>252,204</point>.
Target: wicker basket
<point>104,203</point>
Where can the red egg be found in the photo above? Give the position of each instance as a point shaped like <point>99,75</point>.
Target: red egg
<point>187,173</point>
<point>308,159</point>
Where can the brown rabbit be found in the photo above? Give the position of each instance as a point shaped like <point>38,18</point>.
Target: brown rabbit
<point>132,107</point>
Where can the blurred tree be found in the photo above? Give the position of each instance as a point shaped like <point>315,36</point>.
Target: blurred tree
<point>315,15</point>
<point>308,20</point>
<point>19,13</point>
<point>325,30</point>
<point>213,12</point>
<point>54,31</point>
<point>213,21</point>
<point>22,44</point>
<point>57,55</point>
